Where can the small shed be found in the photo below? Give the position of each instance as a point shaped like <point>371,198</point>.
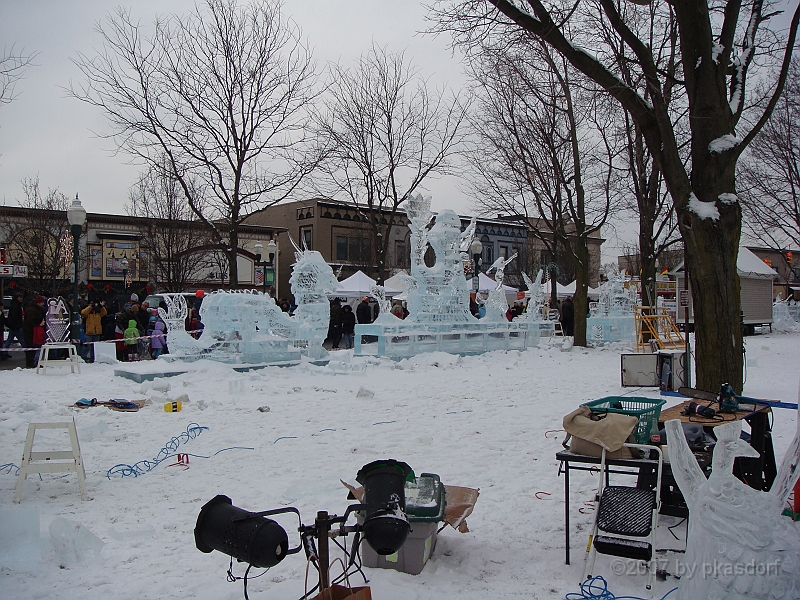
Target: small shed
<point>755,278</point>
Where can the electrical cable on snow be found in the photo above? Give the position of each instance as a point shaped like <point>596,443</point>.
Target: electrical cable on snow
<point>596,588</point>
<point>168,451</point>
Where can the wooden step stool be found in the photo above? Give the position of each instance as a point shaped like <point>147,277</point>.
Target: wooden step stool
<point>63,461</point>
<point>45,360</point>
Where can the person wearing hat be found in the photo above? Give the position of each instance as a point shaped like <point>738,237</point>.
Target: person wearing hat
<point>34,318</point>
<point>364,311</point>
<point>14,324</point>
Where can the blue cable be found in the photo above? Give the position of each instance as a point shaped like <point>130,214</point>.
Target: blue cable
<point>168,451</point>
<point>596,588</point>
<point>7,468</point>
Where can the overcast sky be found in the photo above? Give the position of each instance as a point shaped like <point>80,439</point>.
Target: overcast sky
<point>46,133</point>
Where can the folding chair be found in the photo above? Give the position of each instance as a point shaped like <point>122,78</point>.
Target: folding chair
<point>625,519</point>
<point>554,316</point>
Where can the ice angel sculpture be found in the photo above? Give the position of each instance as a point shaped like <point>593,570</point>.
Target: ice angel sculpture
<point>739,544</point>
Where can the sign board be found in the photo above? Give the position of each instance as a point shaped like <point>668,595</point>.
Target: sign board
<point>13,271</point>
<point>684,298</point>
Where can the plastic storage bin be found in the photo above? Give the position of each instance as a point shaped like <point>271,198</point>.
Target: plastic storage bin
<point>425,503</point>
<point>648,410</point>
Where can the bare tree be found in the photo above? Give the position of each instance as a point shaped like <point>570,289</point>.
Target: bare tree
<point>174,239</point>
<point>770,172</point>
<point>42,237</point>
<point>387,132</point>
<point>537,155</point>
<point>12,69</point>
<point>718,43</point>
<point>222,93</point>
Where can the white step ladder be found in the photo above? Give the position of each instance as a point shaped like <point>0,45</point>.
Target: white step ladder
<point>62,461</point>
<point>45,360</point>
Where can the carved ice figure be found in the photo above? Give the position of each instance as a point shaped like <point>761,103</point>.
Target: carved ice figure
<point>738,542</point>
<point>56,320</point>
<point>537,292</point>
<point>496,303</point>
<point>384,304</point>
<point>615,298</point>
<point>180,342</point>
<point>312,279</point>
<point>782,320</point>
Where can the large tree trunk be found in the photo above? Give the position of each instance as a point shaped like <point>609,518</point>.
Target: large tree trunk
<point>580,300</point>
<point>648,270</point>
<point>712,248</point>
<point>233,263</point>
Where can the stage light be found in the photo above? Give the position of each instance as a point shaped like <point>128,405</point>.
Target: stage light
<point>385,525</point>
<point>247,537</point>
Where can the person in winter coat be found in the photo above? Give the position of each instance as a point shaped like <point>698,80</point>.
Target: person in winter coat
<point>364,312</point>
<point>348,326</point>
<point>158,343</point>
<point>14,324</point>
<point>568,317</point>
<point>123,318</point>
<point>131,343</point>
<point>93,326</point>
<point>34,318</point>
<point>335,328</point>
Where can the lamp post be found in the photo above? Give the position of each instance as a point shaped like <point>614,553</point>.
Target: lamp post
<point>76,215</point>
<point>272,249</point>
<point>124,264</point>
<point>476,249</point>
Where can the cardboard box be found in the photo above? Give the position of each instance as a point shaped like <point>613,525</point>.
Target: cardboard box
<point>411,558</point>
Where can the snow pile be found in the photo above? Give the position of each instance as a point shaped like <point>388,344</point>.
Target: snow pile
<point>490,421</point>
<point>704,210</point>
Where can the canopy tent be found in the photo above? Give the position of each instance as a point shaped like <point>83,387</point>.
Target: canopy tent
<point>358,285</point>
<point>564,291</point>
<point>397,282</point>
<point>486,283</point>
<point>747,264</point>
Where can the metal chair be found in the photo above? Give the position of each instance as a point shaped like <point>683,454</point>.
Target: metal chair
<point>625,519</point>
<point>555,316</point>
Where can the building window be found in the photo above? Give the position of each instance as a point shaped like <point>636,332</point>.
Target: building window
<point>400,254</point>
<point>305,236</point>
<point>353,249</point>
<point>504,251</point>
<point>488,252</point>
<point>306,212</point>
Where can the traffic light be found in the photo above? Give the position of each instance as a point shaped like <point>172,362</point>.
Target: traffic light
<point>789,258</point>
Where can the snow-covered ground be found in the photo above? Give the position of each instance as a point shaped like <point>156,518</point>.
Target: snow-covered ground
<point>480,421</point>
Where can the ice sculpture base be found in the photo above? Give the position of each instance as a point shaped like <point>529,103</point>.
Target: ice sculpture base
<point>257,352</point>
<point>611,329</point>
<point>408,339</point>
<point>142,376</point>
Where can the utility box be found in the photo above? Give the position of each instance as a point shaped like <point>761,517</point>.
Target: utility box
<point>639,370</point>
<point>671,369</point>
<point>425,502</point>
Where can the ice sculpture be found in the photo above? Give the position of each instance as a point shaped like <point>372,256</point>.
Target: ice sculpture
<point>538,324</point>
<point>56,321</point>
<point>611,318</point>
<point>438,297</point>
<point>248,327</point>
<point>739,545</point>
<point>782,320</point>
<point>496,303</point>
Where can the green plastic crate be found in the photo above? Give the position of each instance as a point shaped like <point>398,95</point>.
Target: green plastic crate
<point>648,410</point>
<point>425,500</point>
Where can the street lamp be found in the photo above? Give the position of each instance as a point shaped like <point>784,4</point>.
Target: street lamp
<point>476,249</point>
<point>272,249</point>
<point>76,215</point>
<point>124,264</point>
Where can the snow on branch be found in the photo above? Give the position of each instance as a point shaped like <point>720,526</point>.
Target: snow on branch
<point>724,143</point>
<point>704,210</point>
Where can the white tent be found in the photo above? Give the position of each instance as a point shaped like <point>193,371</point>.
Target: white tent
<point>486,283</point>
<point>749,265</point>
<point>569,290</point>
<point>396,282</point>
<point>359,284</point>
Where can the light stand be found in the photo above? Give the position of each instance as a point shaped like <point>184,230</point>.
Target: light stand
<point>76,215</point>
<point>124,264</point>
<point>272,249</point>
<point>252,538</point>
<point>476,249</point>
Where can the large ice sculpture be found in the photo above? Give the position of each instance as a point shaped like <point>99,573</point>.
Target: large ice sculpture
<point>782,320</point>
<point>496,303</point>
<point>611,318</point>
<point>247,327</point>
<point>438,297</point>
<point>739,545</point>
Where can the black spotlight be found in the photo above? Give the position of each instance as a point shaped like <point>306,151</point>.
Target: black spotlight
<point>385,525</point>
<point>247,537</point>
